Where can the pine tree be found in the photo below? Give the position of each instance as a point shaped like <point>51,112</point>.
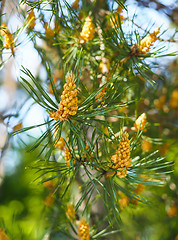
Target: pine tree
<point>97,146</point>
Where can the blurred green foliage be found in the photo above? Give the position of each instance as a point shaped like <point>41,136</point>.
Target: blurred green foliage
<point>22,201</point>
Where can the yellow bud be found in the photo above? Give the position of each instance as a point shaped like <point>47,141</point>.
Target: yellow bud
<point>123,200</point>
<point>159,103</point>
<point>70,212</point>
<point>88,30</point>
<point>121,160</point>
<point>60,144</point>
<point>140,122</point>
<point>8,40</point>
<point>146,145</point>
<point>140,188</point>
<point>114,19</point>
<point>173,102</point>
<point>172,211</point>
<point>68,105</point>
<point>3,29</point>
<point>148,41</point>
<point>67,156</point>
<point>83,230</point>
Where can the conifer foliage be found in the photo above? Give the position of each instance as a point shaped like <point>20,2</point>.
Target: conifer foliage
<point>95,145</point>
